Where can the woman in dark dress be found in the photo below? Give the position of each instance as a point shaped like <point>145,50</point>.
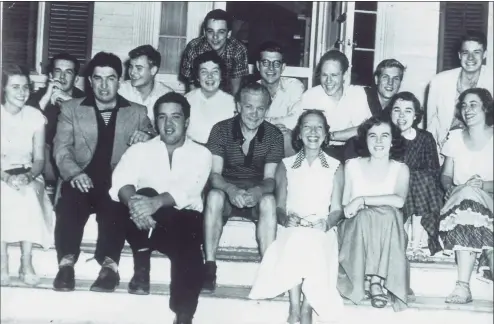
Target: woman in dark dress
<point>425,196</point>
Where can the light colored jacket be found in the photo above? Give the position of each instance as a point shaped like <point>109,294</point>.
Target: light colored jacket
<point>441,101</point>
<point>77,134</point>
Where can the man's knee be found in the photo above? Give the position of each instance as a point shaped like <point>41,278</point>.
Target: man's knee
<point>148,192</point>
<point>215,200</point>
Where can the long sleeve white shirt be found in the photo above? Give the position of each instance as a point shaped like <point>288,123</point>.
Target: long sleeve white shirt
<point>146,165</point>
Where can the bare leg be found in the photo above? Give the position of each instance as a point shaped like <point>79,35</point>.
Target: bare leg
<point>294,296</point>
<point>461,294</point>
<point>213,223</point>
<point>5,264</point>
<point>306,312</point>
<point>266,228</point>
<point>26,272</point>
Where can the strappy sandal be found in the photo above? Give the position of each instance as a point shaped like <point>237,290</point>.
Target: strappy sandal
<point>456,297</point>
<point>378,300</point>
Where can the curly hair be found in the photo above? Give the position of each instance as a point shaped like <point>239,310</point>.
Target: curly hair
<point>487,104</point>
<point>297,142</point>
<point>397,150</point>
<point>405,96</point>
<point>209,56</point>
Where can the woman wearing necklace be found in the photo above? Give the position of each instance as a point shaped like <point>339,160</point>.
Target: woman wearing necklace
<point>446,87</point>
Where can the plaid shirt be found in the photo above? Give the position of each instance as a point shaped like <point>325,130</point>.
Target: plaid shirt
<point>234,56</point>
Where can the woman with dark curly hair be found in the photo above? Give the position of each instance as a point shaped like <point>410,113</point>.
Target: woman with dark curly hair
<point>372,237</point>
<point>467,177</point>
<point>425,197</point>
<point>304,257</point>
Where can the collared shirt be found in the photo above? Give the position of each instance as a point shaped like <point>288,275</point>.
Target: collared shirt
<point>130,93</point>
<point>226,141</point>
<point>281,111</point>
<point>51,111</point>
<point>206,112</point>
<point>234,56</point>
<point>350,111</point>
<point>307,195</point>
<point>147,165</point>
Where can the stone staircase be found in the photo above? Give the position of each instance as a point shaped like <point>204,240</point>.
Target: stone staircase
<point>237,265</point>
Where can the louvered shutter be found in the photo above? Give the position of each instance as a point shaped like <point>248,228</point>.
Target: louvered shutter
<point>69,28</point>
<point>456,19</point>
<point>19,23</point>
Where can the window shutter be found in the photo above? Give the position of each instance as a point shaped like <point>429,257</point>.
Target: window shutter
<point>69,28</point>
<point>19,23</point>
<point>456,19</point>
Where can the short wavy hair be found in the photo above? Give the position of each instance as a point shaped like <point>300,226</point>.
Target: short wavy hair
<point>397,150</point>
<point>152,55</point>
<point>487,104</point>
<point>389,63</point>
<point>332,55</point>
<point>297,143</point>
<point>249,85</point>
<point>9,70</point>
<point>209,56</point>
<point>406,96</point>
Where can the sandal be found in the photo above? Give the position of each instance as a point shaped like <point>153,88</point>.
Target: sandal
<point>378,300</point>
<point>458,295</point>
<point>367,294</point>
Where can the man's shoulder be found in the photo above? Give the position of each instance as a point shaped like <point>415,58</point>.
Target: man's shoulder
<point>137,107</point>
<point>77,93</point>
<point>272,130</point>
<point>236,44</point>
<point>125,87</point>
<point>161,88</point>
<point>73,103</point>
<point>195,43</point>
<point>200,151</point>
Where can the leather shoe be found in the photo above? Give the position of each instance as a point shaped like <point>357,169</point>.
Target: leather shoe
<point>183,318</point>
<point>209,284</point>
<point>107,281</point>
<point>139,284</point>
<point>65,279</point>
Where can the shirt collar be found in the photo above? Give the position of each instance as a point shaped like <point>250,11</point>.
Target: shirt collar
<point>237,131</point>
<point>301,156</point>
<point>90,101</point>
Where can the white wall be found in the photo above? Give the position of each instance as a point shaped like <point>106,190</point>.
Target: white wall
<point>408,32</point>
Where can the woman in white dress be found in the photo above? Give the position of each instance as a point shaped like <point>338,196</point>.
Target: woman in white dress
<point>304,257</point>
<point>208,103</point>
<point>26,212</point>
<point>372,237</point>
<point>467,178</point>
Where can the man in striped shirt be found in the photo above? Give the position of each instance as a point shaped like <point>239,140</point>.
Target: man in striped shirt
<point>246,150</point>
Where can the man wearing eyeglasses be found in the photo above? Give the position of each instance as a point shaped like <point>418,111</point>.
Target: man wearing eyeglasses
<point>285,92</point>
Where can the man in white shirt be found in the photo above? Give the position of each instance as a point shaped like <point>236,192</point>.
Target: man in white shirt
<point>142,88</point>
<point>161,182</point>
<point>345,107</point>
<point>285,92</point>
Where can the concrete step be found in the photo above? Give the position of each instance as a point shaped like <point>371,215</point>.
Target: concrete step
<point>43,306</point>
<point>238,267</point>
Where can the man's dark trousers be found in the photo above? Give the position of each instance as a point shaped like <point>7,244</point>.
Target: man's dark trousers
<point>179,235</point>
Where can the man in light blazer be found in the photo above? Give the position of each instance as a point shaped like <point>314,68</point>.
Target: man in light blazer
<point>92,135</point>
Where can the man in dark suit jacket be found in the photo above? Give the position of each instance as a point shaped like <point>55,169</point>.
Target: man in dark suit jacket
<point>63,73</point>
<point>92,135</point>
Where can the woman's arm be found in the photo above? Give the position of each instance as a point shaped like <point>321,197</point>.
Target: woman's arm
<point>281,192</point>
<point>38,152</point>
<point>336,208</point>
<point>397,199</point>
<point>447,173</point>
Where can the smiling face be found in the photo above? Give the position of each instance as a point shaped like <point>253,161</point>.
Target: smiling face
<point>64,72</point>
<point>389,82</point>
<point>472,110</point>
<point>16,91</point>
<point>141,72</point>
<point>271,67</point>
<point>209,77</point>
<point>252,108</point>
<point>313,131</point>
<point>332,77</point>
<point>171,123</point>
<point>403,114</point>
<point>216,32</point>
<point>471,56</point>
<point>104,82</point>
<point>379,139</point>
